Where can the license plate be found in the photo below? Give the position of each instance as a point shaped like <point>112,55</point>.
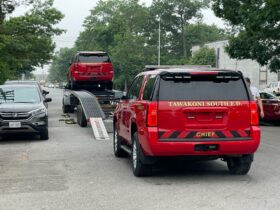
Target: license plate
<point>14,124</point>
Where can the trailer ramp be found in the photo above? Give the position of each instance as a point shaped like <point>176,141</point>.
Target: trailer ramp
<point>99,130</point>
<point>90,104</point>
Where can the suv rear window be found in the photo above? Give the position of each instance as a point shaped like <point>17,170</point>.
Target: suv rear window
<point>93,58</point>
<point>206,87</point>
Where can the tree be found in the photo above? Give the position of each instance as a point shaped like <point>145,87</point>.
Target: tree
<point>26,41</point>
<point>8,6</point>
<point>118,27</point>
<point>60,65</point>
<point>255,31</point>
<point>175,16</point>
<point>204,56</point>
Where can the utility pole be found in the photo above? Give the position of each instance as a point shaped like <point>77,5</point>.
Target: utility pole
<point>159,31</point>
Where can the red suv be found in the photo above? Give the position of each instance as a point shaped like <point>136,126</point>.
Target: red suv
<point>191,112</point>
<point>91,69</point>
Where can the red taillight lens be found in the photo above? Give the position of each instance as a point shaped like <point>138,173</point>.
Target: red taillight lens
<point>254,113</point>
<point>152,119</point>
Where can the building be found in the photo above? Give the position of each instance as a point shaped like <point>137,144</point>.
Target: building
<point>259,75</point>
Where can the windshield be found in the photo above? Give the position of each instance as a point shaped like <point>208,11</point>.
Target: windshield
<point>94,58</point>
<point>19,95</point>
<point>267,96</point>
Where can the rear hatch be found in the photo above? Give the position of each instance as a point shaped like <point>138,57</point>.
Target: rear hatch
<point>95,64</point>
<point>204,105</point>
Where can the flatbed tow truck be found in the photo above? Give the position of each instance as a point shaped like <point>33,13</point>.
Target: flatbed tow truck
<point>93,106</point>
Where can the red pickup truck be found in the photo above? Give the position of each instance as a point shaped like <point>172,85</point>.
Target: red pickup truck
<point>197,113</point>
<point>91,68</point>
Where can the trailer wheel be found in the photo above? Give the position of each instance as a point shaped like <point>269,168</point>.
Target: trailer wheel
<point>81,118</point>
<point>67,108</point>
<point>109,85</point>
<point>73,85</point>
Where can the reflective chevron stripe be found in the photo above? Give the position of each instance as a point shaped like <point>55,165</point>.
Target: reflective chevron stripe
<point>204,134</point>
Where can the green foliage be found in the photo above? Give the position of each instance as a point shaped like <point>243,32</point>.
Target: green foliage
<point>60,65</point>
<point>204,56</point>
<point>26,41</point>
<point>175,16</point>
<point>256,29</point>
<point>128,31</point>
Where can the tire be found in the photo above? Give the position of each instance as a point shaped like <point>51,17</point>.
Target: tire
<point>240,165</point>
<point>118,151</point>
<point>81,118</point>
<point>44,134</point>
<point>67,108</point>
<point>109,85</point>
<point>139,169</point>
<point>73,85</point>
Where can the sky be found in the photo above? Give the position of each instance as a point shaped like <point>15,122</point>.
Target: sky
<point>76,11</point>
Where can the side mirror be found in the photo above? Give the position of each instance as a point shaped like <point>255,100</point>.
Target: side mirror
<point>47,100</point>
<point>44,92</point>
<point>70,63</point>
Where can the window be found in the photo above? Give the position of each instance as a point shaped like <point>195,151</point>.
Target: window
<point>93,58</point>
<point>134,90</point>
<point>202,88</point>
<point>267,96</point>
<point>147,94</point>
<point>19,95</point>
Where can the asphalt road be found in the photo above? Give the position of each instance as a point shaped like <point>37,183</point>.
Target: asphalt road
<point>74,171</point>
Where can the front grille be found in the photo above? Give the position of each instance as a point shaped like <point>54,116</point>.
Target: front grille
<point>14,115</point>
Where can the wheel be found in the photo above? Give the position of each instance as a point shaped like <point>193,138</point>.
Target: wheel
<point>44,134</point>
<point>109,85</point>
<point>240,165</point>
<point>65,108</point>
<point>73,85</point>
<point>81,118</point>
<point>118,151</point>
<point>139,169</point>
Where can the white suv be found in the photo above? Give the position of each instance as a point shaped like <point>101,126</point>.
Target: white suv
<point>273,88</point>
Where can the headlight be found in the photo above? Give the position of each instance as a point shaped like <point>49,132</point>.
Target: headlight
<point>39,111</point>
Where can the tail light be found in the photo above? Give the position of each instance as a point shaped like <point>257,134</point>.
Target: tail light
<point>254,113</point>
<point>152,119</point>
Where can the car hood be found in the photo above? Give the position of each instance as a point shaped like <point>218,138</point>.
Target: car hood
<point>19,107</point>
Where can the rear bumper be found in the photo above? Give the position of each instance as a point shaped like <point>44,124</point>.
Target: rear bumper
<point>91,76</point>
<point>153,147</point>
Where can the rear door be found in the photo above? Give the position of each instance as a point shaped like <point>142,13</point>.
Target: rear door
<point>203,106</point>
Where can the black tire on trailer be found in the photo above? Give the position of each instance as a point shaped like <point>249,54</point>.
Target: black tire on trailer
<point>109,85</point>
<point>81,118</point>
<point>139,169</point>
<point>65,108</point>
<point>240,165</point>
<point>73,85</point>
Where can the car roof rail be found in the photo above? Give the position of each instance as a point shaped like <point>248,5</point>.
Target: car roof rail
<point>154,67</point>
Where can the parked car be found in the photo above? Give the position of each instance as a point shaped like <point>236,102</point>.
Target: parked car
<point>91,68</point>
<point>28,82</point>
<point>22,110</point>
<point>273,88</point>
<point>271,107</point>
<point>196,113</point>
